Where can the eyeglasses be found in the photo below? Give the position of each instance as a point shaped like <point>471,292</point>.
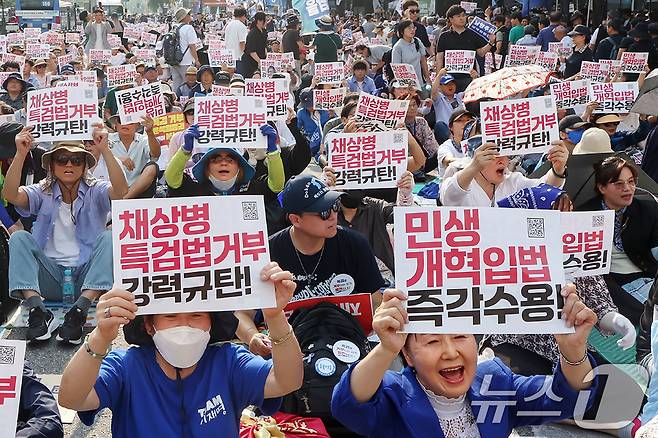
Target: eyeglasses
<point>324,215</point>
<point>220,158</point>
<point>63,160</point>
<point>621,185</point>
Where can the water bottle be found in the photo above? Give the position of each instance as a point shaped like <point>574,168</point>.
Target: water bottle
<point>68,293</point>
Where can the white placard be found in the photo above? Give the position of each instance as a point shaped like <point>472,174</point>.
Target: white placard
<point>135,103</point>
<point>464,273</point>
<point>406,75</point>
<point>570,94</point>
<point>329,72</point>
<point>521,55</point>
<point>376,114</point>
<point>12,358</point>
<point>459,61</point>
<point>633,62</point>
<point>275,92</point>
<point>121,75</point>
<point>613,97</point>
<point>331,99</point>
<point>587,242</point>
<point>230,121</point>
<point>368,160</point>
<point>192,254</point>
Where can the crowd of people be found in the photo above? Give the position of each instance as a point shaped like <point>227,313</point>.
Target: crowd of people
<point>193,374</point>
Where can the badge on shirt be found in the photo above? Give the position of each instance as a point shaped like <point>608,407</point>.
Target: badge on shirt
<point>346,351</point>
<point>342,284</point>
<point>325,367</point>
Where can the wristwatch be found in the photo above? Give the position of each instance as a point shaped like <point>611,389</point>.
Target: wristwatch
<point>564,175</point>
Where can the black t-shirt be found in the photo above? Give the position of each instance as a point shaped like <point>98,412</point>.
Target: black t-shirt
<point>256,42</point>
<point>467,40</point>
<point>346,266</point>
<point>574,61</point>
<point>289,42</point>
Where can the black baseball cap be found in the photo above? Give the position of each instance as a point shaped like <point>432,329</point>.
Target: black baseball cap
<point>458,113</point>
<point>579,30</point>
<point>572,122</point>
<point>307,194</point>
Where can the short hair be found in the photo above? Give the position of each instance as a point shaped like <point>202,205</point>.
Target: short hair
<point>616,24</point>
<point>260,16</point>
<point>455,10</point>
<point>350,97</point>
<point>360,47</point>
<point>409,3</point>
<point>360,65</point>
<point>608,170</point>
<point>29,61</point>
<point>402,25</point>
<point>347,109</point>
<point>96,10</point>
<point>499,19</point>
<point>544,21</point>
<point>516,16</point>
<point>10,64</point>
<point>239,12</point>
<point>555,17</point>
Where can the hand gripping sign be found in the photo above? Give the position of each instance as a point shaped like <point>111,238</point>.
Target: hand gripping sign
<point>463,273</point>
<point>135,103</point>
<point>192,254</point>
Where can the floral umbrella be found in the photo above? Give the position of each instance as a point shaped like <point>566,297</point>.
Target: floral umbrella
<point>506,82</point>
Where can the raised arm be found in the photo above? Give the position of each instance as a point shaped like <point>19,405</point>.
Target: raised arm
<point>11,190</point>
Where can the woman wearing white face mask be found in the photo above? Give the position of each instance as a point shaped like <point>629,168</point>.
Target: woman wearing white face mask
<point>174,384</point>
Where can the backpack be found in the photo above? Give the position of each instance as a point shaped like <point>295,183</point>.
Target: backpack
<point>387,58</point>
<point>615,48</point>
<point>317,329</point>
<point>171,47</point>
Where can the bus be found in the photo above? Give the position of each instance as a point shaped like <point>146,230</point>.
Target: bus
<point>37,13</point>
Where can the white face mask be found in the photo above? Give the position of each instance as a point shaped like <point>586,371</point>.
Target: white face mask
<point>181,346</point>
<point>222,186</point>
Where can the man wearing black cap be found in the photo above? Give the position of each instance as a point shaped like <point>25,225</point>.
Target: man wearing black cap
<point>581,51</point>
<point>292,40</point>
<point>325,259</point>
<point>458,37</point>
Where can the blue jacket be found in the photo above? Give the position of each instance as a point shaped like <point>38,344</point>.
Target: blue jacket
<point>368,85</point>
<point>400,407</point>
<point>620,141</point>
<point>310,129</point>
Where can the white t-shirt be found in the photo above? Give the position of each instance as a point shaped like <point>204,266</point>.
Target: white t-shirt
<point>98,44</point>
<point>187,37</point>
<point>139,152</point>
<point>62,247</point>
<point>453,195</point>
<point>234,34</point>
<point>447,148</point>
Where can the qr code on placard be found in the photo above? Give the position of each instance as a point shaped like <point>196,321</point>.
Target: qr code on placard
<point>258,103</point>
<point>598,220</point>
<point>7,355</point>
<point>398,137</point>
<point>536,227</point>
<point>249,211</point>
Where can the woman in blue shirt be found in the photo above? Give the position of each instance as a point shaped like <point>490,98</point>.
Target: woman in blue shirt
<point>174,384</point>
<point>444,392</point>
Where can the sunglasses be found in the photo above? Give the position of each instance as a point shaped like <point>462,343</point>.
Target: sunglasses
<point>414,11</point>
<point>324,215</point>
<point>63,160</point>
<point>219,159</point>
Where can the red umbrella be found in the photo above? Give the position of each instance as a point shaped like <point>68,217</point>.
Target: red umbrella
<point>506,82</point>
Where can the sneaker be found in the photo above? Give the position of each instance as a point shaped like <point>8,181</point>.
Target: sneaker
<point>41,324</point>
<point>71,330</point>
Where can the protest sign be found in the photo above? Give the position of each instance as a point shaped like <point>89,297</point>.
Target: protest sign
<point>218,90</point>
<point>633,62</point>
<point>520,126</point>
<point>357,36</point>
<point>547,60</point>
<point>148,38</point>
<point>276,93</point>
<point>135,103</point>
<point>146,55</point>
<point>357,305</point>
<point>611,66</point>
<point>594,71</point>
<point>368,160</point>
<point>53,38</point>
<point>62,113</point>
<point>114,40</point>
<point>16,39</point>
<point>12,358</point>
<point>329,72</point>
<point>375,114</point>
<point>521,55</point>
<point>463,273</point>
<point>65,59</point>
<point>3,43</point>
<point>569,94</point>
<point>287,59</point>
<point>121,75</point>
<point>221,57</point>
<point>7,118</point>
<point>164,127</point>
<point>469,6</point>
<point>459,61</point>
<point>100,56</point>
<point>613,97</point>
<point>587,242</point>
<point>482,28</point>
<point>214,42</point>
<point>347,66</point>
<point>37,51</point>
<point>192,254</point>
<point>346,34</point>
<point>131,33</point>
<point>32,32</point>
<point>562,50</point>
<point>268,67</point>
<point>331,99</point>
<point>406,75</point>
<point>87,76</point>
<point>230,121</point>
<point>316,8</point>
<point>72,38</point>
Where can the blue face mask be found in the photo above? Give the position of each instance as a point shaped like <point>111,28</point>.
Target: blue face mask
<point>575,135</point>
